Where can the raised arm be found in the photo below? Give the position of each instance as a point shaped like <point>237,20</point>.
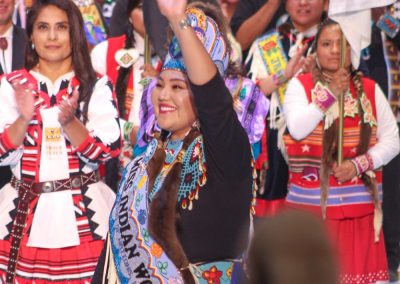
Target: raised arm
<point>200,68</point>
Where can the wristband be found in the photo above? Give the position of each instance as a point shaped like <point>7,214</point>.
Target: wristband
<point>363,163</point>
<point>184,23</point>
<point>322,97</point>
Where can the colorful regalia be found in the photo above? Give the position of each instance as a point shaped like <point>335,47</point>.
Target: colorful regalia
<point>55,195</point>
<point>190,217</point>
<point>352,209</point>
<point>267,56</point>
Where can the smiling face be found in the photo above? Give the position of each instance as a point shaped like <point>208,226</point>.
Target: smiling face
<point>173,103</point>
<point>51,35</point>
<point>328,49</point>
<point>305,13</point>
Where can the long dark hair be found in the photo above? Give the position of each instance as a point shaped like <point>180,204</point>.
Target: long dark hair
<point>330,135</point>
<point>80,53</point>
<point>121,84</point>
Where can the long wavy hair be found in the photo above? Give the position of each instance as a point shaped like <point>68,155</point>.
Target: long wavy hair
<point>121,84</point>
<point>81,63</point>
<point>330,136</point>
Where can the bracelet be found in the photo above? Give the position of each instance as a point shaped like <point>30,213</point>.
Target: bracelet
<point>278,78</point>
<point>184,23</point>
<point>363,163</point>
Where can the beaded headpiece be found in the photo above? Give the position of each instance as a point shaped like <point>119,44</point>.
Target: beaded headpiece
<point>207,31</point>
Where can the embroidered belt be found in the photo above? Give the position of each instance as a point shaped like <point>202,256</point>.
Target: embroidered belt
<point>213,272</point>
<point>28,191</point>
<point>57,185</point>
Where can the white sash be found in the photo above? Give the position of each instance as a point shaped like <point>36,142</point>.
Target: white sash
<point>54,158</point>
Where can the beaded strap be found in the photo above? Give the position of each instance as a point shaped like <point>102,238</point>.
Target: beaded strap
<point>25,196</point>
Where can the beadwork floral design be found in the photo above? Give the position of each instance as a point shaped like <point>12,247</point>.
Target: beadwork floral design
<point>212,276</point>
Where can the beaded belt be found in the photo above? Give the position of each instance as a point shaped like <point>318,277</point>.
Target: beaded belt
<point>28,191</point>
<point>212,272</point>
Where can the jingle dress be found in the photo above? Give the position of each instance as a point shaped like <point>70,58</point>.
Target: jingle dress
<point>213,202</point>
<point>350,206</point>
<point>65,229</point>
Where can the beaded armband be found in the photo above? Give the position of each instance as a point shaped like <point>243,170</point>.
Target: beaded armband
<point>128,126</point>
<point>322,97</point>
<point>363,163</point>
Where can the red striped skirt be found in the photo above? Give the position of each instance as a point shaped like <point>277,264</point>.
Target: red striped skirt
<point>72,264</point>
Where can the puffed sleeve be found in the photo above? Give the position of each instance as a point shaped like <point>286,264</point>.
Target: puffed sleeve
<point>9,153</point>
<point>98,57</point>
<point>301,116</point>
<point>104,139</point>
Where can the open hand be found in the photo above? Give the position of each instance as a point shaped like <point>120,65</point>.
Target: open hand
<point>68,108</point>
<point>24,96</point>
<point>172,9</point>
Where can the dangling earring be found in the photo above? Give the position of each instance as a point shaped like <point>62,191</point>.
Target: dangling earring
<point>196,124</point>
<point>33,46</point>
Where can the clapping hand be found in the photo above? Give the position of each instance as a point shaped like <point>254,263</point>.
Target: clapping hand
<point>309,64</point>
<point>24,97</point>
<point>295,63</point>
<point>68,108</point>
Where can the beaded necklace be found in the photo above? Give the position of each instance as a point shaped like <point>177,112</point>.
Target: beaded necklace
<point>172,149</point>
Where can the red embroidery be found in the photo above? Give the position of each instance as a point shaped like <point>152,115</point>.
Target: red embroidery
<point>213,275</point>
